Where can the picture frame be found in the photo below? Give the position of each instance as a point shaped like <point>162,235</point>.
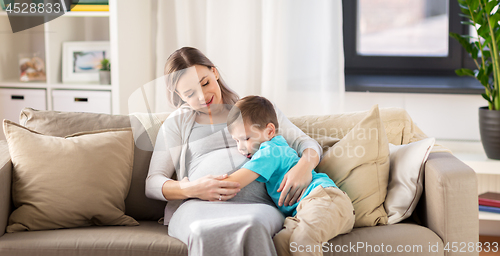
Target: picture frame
<point>82,60</point>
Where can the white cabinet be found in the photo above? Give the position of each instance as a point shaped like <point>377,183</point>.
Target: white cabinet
<point>12,101</point>
<point>82,101</point>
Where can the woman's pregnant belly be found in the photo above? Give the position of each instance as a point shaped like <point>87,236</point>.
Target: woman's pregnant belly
<point>227,160</point>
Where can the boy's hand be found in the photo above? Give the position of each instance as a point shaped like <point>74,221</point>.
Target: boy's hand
<point>294,184</point>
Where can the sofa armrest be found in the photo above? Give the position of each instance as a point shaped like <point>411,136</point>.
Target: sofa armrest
<point>5,185</point>
<point>450,203</point>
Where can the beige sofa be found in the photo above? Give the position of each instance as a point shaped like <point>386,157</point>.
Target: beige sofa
<point>447,212</point>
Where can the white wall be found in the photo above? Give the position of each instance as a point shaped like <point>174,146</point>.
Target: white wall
<point>444,116</point>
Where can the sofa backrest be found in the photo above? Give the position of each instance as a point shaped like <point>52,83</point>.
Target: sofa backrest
<point>61,124</point>
<point>329,129</point>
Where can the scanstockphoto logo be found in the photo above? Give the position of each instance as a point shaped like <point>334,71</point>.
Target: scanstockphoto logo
<point>26,14</point>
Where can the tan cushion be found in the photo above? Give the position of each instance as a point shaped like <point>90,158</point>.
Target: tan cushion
<point>359,165</point>
<point>147,239</point>
<point>80,180</point>
<point>61,124</point>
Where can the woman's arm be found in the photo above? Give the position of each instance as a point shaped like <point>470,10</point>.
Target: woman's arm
<point>298,178</point>
<point>159,184</point>
<point>161,167</point>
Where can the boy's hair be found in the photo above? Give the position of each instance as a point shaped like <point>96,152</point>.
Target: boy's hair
<point>254,109</point>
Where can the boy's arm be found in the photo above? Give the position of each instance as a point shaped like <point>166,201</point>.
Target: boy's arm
<point>243,176</point>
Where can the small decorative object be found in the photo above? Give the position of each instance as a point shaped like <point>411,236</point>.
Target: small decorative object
<point>31,67</point>
<point>82,61</point>
<point>484,49</point>
<point>105,72</point>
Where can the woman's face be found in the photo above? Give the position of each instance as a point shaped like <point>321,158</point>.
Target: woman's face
<point>199,87</point>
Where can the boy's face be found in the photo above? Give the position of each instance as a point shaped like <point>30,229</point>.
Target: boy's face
<point>249,137</point>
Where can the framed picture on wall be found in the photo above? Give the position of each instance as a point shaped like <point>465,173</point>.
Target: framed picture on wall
<point>82,61</point>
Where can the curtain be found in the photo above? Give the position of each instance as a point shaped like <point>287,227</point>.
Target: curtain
<point>289,51</point>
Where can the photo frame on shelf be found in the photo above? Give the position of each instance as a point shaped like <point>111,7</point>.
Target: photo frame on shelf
<point>82,61</point>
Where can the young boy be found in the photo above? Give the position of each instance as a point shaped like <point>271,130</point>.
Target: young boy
<point>323,212</point>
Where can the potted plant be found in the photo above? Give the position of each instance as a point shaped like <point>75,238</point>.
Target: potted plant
<point>105,72</point>
<point>483,16</point>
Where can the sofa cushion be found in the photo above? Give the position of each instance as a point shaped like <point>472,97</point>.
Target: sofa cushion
<point>147,239</point>
<point>79,180</point>
<point>409,239</point>
<point>406,178</point>
<point>359,165</point>
<point>56,123</point>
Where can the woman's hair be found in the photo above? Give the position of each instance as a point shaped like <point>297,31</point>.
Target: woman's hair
<point>177,65</point>
<point>256,110</point>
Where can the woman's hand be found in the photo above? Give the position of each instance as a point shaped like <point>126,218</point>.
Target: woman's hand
<point>297,179</point>
<point>211,188</point>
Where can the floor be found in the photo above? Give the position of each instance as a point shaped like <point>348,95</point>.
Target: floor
<point>490,239</point>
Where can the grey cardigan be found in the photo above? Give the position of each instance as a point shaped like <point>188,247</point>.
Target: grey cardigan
<point>169,154</point>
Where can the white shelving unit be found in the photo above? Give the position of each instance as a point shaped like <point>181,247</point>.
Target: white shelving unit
<point>47,40</point>
<point>488,177</point>
<point>128,27</point>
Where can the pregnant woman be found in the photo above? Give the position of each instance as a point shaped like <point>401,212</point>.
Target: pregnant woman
<point>210,215</point>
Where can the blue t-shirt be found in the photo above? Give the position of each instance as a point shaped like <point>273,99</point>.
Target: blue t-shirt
<point>272,161</point>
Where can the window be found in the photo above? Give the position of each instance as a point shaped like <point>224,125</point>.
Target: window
<point>402,37</point>
<point>402,28</point>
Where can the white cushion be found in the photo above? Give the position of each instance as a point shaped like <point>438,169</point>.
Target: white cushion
<point>406,178</point>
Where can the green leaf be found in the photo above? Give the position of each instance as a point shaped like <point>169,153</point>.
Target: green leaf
<point>494,19</point>
<point>463,6</point>
<point>465,15</point>
<point>469,37</point>
<point>479,74</point>
<point>464,72</point>
<point>479,18</point>
<point>473,4</point>
<point>486,97</point>
<point>490,5</point>
<point>464,42</point>
<point>497,36</point>
<point>486,55</point>
<point>487,41</point>
<point>483,31</point>
<point>467,23</point>
<point>475,50</point>
<point>484,79</point>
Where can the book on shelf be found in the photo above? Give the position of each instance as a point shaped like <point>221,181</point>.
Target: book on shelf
<point>491,199</point>
<point>89,8</point>
<point>90,1</point>
<point>489,209</point>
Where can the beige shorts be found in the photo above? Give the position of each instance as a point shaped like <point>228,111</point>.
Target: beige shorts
<point>321,216</point>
